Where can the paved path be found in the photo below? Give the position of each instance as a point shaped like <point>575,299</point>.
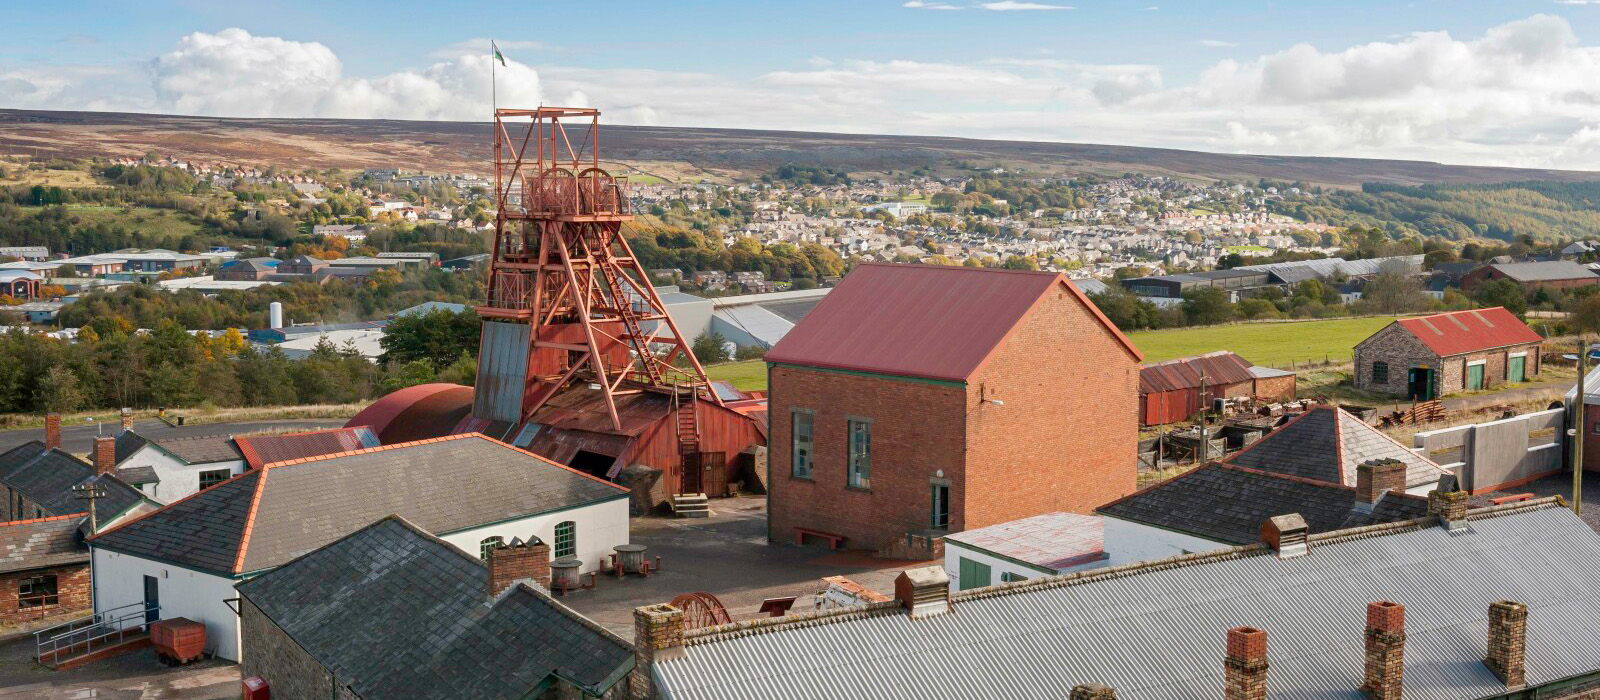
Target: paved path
<point>726,555</point>
<point>79,437</point>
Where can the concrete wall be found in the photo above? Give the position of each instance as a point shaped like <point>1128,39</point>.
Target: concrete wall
<point>178,478</point>
<point>1499,454</point>
<point>599,528</point>
<point>119,581</point>
<point>1128,542</point>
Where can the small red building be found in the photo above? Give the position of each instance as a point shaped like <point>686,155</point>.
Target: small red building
<point>916,400</point>
<point>1174,390</point>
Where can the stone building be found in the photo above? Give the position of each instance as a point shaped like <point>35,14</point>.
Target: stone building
<point>391,612</point>
<point>917,400</point>
<point>1426,357</point>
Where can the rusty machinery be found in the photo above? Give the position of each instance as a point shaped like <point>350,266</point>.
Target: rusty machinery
<point>701,610</point>
<point>567,300</point>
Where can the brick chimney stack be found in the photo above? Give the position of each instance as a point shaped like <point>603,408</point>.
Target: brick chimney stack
<point>127,420</point>
<point>1449,506</point>
<point>516,561</point>
<point>1375,477</point>
<point>105,455</point>
<point>1508,639</point>
<point>52,431</point>
<point>657,635</point>
<point>1246,664</point>
<point>1386,644</point>
<point>1093,691</point>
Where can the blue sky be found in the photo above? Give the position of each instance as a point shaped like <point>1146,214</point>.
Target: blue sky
<point>1451,80</point>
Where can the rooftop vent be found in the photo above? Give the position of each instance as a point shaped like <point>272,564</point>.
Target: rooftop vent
<point>923,592</point>
<point>1286,535</point>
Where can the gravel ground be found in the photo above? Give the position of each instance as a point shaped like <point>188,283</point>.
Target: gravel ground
<point>1558,485</point>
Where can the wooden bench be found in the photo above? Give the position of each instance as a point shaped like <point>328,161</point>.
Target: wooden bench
<point>1513,498</point>
<point>834,541</point>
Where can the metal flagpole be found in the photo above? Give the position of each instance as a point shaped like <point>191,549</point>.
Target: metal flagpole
<point>494,55</point>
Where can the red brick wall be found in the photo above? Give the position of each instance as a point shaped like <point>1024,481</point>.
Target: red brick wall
<point>1066,438</point>
<point>1275,388</point>
<point>916,431</point>
<point>72,587</point>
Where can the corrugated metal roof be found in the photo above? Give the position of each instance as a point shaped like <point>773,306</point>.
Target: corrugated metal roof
<point>1219,368</point>
<point>1458,332</point>
<point>415,412</point>
<point>1545,271</point>
<point>265,449</point>
<point>925,321</point>
<point>760,324</point>
<point>1159,632</point>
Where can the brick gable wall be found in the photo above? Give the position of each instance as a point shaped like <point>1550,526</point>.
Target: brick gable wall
<point>72,591</point>
<point>916,432</point>
<point>1066,437</point>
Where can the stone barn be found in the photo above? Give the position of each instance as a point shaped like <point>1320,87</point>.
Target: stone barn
<point>1426,357</point>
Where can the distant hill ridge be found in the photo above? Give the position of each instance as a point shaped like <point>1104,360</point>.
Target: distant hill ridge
<point>464,146</point>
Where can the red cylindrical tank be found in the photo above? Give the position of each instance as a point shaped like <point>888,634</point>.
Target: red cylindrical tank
<point>256,688</point>
<point>179,639</point>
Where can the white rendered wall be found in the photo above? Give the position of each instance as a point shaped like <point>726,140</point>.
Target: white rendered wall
<point>119,581</point>
<point>599,528</point>
<point>954,552</point>
<point>1129,542</point>
<point>178,478</point>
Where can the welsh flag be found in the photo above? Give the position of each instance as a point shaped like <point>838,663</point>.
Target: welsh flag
<point>497,56</point>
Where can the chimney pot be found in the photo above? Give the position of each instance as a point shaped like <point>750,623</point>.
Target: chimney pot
<point>52,431</point>
<point>518,561</point>
<point>923,592</point>
<point>1377,476</point>
<point>1508,639</point>
<point>1093,691</point>
<point>1385,650</point>
<point>1286,535</point>
<point>657,635</point>
<point>127,420</point>
<point>1246,664</point>
<point>105,455</point>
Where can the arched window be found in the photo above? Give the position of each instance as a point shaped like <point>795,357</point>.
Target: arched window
<point>1380,372</point>
<point>566,539</point>
<point>489,544</point>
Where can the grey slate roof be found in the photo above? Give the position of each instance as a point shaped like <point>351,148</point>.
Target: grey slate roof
<point>46,478</point>
<point>1227,504</point>
<point>1157,631</point>
<point>128,443</point>
<point>41,543</point>
<point>138,475</point>
<point>452,641</point>
<point>201,449</point>
<point>442,484</point>
<point>1327,443</point>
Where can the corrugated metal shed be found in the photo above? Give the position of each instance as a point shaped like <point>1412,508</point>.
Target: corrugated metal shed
<point>1159,632</point>
<point>923,321</point>
<point>1458,332</point>
<point>1220,367</point>
<point>416,413</point>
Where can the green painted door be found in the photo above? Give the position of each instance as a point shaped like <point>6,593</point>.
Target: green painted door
<point>1474,377</point>
<point>1516,369</point>
<point>973,574</point>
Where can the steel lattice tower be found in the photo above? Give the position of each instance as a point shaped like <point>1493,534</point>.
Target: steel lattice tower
<point>567,299</point>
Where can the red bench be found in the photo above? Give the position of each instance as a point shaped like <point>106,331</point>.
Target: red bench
<point>1514,498</point>
<point>834,541</point>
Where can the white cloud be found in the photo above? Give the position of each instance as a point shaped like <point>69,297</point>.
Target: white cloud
<point>1013,5</point>
<point>1218,43</point>
<point>1523,93</point>
<point>920,5</point>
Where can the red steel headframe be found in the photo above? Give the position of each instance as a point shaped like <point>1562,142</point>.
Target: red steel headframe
<point>560,263</point>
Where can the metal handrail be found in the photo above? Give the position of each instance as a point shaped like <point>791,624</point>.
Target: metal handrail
<point>95,628</point>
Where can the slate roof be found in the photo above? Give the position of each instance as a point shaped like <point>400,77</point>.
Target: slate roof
<point>41,543</point>
<point>268,516</point>
<point>138,475</point>
<point>925,321</point>
<point>1157,631</point>
<point>201,449</point>
<point>455,642</point>
<point>128,443</point>
<point>1227,504</point>
<point>264,449</point>
<point>1326,444</point>
<point>46,478</point>
<point>1458,332</point>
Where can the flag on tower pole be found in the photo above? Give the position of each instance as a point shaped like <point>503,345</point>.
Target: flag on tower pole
<point>497,56</point>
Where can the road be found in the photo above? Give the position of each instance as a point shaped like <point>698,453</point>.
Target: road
<point>79,437</point>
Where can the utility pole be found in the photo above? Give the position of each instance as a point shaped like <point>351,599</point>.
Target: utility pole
<point>91,492</point>
<point>1580,417</point>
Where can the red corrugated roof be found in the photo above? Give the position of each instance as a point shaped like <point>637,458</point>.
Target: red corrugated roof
<point>415,412</point>
<point>1460,332</point>
<point>264,449</point>
<point>927,321</point>
<point>1220,367</point>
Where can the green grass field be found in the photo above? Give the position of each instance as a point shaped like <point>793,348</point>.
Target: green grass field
<point>161,223</point>
<point>751,374</point>
<point>1271,344</point>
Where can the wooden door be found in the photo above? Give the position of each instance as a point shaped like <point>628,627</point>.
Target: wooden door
<point>714,473</point>
<point>1474,377</point>
<point>689,480</point>
<point>1516,369</point>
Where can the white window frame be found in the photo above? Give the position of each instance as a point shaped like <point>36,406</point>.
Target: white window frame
<point>801,458</point>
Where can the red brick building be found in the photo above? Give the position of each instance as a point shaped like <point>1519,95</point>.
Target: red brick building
<point>44,568</point>
<point>924,399</point>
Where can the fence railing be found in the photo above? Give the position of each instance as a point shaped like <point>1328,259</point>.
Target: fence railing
<point>97,631</point>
